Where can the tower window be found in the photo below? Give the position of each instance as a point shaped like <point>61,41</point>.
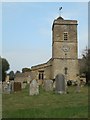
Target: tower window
<point>65,36</point>
<point>66,70</point>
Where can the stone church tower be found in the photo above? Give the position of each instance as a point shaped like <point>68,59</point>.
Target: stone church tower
<point>64,48</point>
<point>64,52</point>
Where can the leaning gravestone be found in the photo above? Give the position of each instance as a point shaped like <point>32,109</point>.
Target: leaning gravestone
<point>48,85</point>
<point>60,84</point>
<point>34,88</point>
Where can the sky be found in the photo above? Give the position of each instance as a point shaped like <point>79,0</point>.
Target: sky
<point>27,30</point>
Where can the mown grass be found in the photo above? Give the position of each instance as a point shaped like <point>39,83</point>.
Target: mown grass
<point>46,104</point>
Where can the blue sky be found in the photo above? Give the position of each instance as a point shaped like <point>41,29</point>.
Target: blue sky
<point>27,34</point>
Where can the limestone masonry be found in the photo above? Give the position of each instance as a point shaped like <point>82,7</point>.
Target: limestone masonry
<point>64,52</point>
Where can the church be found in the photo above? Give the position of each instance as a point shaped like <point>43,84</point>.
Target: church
<point>64,52</point>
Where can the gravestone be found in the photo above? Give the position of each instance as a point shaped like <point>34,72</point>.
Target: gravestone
<point>7,87</point>
<point>60,84</point>
<point>12,86</point>
<point>4,86</point>
<point>34,88</point>
<point>17,86</point>
<point>48,85</point>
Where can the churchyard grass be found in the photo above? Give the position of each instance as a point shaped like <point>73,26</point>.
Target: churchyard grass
<point>46,104</point>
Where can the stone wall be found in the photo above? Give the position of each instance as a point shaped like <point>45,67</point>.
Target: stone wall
<point>59,67</point>
<point>23,77</point>
<point>46,67</point>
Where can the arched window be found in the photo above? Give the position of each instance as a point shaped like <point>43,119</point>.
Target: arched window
<point>41,75</point>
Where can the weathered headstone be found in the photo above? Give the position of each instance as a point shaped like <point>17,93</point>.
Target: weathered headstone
<point>34,88</point>
<point>60,84</point>
<point>17,86</point>
<point>78,83</point>
<point>7,87</point>
<point>12,86</point>
<point>48,85</point>
<point>4,86</point>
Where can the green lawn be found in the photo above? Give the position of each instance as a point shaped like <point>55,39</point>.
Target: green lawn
<point>46,104</point>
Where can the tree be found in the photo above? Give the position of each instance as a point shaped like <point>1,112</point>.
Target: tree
<point>11,75</point>
<point>85,68</point>
<point>88,66</point>
<point>26,70</point>
<point>4,66</point>
<point>17,72</point>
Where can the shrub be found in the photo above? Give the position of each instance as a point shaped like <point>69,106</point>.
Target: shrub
<point>69,82</point>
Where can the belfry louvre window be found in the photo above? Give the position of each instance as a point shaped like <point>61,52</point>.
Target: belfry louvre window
<point>65,36</point>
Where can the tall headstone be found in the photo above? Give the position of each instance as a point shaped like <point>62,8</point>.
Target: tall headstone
<point>60,84</point>
<point>17,86</point>
<point>34,88</point>
<point>48,85</point>
<point>12,86</point>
